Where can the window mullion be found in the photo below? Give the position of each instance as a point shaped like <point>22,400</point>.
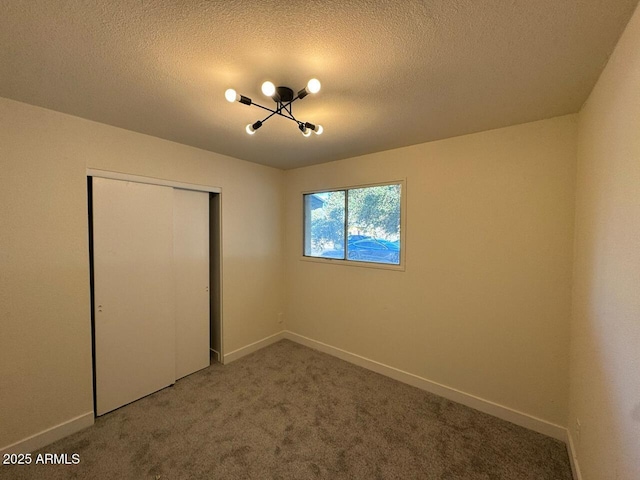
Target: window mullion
<point>346,225</point>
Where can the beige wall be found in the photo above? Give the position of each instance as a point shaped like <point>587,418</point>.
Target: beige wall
<point>484,303</point>
<point>605,346</point>
<point>45,339</point>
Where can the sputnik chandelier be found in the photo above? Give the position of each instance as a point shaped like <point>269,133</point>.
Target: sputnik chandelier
<point>283,96</point>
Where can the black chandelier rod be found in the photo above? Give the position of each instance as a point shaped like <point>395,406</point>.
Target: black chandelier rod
<point>281,106</point>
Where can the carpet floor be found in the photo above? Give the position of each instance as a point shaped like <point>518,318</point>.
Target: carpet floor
<point>290,412</point>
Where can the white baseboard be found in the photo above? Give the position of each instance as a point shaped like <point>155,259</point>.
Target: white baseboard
<point>50,435</point>
<point>505,413</point>
<point>254,347</point>
<point>573,457</point>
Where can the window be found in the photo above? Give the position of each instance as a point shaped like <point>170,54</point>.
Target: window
<point>355,224</point>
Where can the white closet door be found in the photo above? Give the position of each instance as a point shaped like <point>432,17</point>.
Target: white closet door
<point>191,263</point>
<point>134,295</point>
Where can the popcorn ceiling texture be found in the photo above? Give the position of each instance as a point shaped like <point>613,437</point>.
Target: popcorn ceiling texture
<point>393,73</point>
<point>289,412</point>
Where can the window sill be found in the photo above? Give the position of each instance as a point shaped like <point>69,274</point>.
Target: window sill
<point>353,263</point>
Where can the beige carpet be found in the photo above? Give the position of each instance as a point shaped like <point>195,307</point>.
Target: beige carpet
<point>289,412</point>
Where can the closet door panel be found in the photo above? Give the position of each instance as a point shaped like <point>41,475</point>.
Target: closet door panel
<point>133,287</point>
<point>191,264</point>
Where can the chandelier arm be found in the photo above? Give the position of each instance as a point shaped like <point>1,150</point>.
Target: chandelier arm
<point>269,116</point>
<point>287,111</point>
<point>264,108</point>
<point>278,110</point>
<point>281,114</point>
<point>281,107</point>
<point>290,117</point>
<point>290,112</point>
<point>288,104</point>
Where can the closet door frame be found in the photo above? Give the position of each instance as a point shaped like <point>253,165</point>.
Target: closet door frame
<point>168,183</point>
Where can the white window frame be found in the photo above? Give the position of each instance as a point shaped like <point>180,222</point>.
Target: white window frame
<point>355,263</point>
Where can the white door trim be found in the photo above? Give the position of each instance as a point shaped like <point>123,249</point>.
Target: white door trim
<point>93,172</point>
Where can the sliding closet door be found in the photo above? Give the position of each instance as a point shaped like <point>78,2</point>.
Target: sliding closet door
<point>133,288</point>
<point>191,263</point>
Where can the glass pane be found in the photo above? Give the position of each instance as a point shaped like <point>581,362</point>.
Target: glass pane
<point>374,224</point>
<point>324,224</point>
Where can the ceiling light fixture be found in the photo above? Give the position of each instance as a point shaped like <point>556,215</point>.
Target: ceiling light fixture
<point>283,96</point>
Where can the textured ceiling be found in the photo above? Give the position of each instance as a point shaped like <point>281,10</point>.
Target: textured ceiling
<point>393,73</point>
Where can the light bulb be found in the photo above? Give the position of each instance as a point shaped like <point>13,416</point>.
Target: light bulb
<point>313,86</point>
<point>317,129</point>
<point>268,89</point>
<point>251,128</point>
<point>231,95</point>
<point>306,132</point>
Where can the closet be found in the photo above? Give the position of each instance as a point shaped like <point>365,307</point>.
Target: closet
<point>150,287</point>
